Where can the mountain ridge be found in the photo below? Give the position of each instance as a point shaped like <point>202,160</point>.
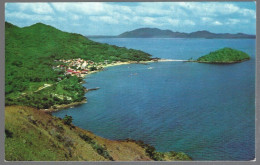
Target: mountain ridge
<point>159,33</point>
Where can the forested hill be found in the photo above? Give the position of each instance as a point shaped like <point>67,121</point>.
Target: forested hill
<point>224,56</point>
<point>30,54</point>
<point>158,33</point>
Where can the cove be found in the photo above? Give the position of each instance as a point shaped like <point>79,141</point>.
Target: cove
<point>204,110</point>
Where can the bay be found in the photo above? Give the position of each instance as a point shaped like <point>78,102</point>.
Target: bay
<point>204,110</point>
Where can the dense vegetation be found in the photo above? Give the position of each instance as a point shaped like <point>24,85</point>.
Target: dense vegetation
<point>225,55</point>
<point>30,54</point>
<point>160,156</point>
<point>97,147</point>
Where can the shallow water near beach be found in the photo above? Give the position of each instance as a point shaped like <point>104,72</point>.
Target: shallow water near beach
<point>204,110</point>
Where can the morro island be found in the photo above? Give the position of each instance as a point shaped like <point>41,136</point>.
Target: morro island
<point>224,56</point>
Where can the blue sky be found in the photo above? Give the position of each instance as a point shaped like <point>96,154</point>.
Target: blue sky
<point>113,18</point>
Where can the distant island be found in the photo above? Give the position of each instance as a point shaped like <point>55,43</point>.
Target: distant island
<point>224,56</point>
<point>158,33</point>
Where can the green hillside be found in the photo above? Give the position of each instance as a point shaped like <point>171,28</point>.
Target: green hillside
<point>33,135</point>
<point>30,54</point>
<point>225,55</point>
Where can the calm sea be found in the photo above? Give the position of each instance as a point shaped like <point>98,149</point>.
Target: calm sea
<point>204,110</point>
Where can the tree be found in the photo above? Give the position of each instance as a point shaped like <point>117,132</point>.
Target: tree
<point>67,120</point>
<point>93,68</point>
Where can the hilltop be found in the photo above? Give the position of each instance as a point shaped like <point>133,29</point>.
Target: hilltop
<point>33,135</point>
<point>158,33</point>
<point>225,55</point>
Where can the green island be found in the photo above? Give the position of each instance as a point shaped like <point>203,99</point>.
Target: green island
<point>44,70</point>
<point>224,56</point>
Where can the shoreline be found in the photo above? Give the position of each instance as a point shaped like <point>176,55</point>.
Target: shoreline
<point>220,62</point>
<point>74,104</point>
<point>63,106</point>
<point>82,142</point>
<point>167,156</point>
<point>136,62</point>
<point>118,64</point>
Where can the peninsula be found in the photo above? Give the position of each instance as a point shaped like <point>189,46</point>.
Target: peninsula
<point>52,59</point>
<point>224,56</point>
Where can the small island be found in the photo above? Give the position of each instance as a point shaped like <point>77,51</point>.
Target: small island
<point>224,56</point>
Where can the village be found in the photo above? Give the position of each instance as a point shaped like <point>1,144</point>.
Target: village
<point>80,67</point>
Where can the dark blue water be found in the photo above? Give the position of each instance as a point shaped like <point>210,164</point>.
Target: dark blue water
<point>204,110</point>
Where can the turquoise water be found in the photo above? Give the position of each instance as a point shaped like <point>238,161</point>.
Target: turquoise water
<point>204,110</point>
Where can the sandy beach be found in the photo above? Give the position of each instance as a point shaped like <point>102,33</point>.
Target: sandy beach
<point>64,106</point>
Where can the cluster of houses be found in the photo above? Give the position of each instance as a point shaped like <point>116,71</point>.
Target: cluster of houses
<point>78,67</point>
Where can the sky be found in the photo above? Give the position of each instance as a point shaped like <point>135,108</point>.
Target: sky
<point>113,18</point>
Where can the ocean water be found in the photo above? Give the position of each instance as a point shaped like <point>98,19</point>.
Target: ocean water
<point>204,110</point>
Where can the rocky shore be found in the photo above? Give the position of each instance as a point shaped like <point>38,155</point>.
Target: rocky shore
<point>56,108</point>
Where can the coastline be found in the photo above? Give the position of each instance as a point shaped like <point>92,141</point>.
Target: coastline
<point>149,150</point>
<point>63,106</point>
<point>69,142</point>
<point>56,108</point>
<point>220,62</point>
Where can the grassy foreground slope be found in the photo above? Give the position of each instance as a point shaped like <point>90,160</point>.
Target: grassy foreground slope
<point>225,55</point>
<point>32,135</point>
<point>30,54</point>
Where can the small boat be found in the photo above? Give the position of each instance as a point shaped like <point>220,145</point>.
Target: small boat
<point>150,68</point>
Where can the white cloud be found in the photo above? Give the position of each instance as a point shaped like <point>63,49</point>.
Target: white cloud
<point>149,21</point>
<point>38,8</point>
<point>248,12</point>
<point>206,19</point>
<point>189,22</point>
<point>151,11</point>
<point>173,21</point>
<point>157,13</point>
<point>89,8</point>
<point>75,17</point>
<point>232,21</point>
<point>173,15</point>
<point>210,9</point>
<point>217,23</point>
<point>24,16</point>
<point>106,19</point>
